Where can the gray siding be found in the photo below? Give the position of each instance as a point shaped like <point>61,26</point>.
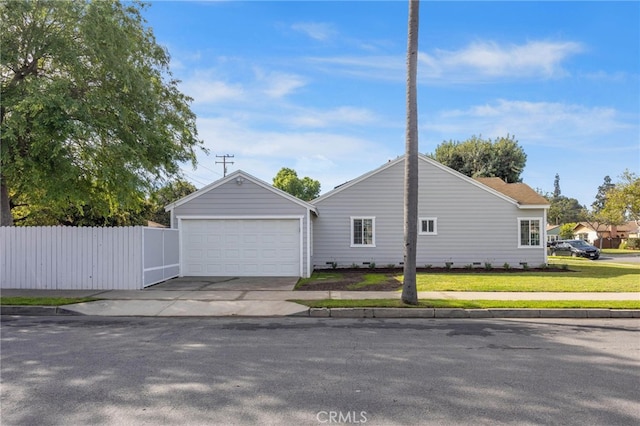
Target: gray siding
<point>231,199</point>
<point>248,199</point>
<point>473,225</point>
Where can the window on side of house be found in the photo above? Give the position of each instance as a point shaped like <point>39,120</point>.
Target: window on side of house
<point>428,226</point>
<point>529,232</point>
<point>363,232</point>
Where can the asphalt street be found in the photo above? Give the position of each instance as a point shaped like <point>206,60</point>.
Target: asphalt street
<point>305,371</point>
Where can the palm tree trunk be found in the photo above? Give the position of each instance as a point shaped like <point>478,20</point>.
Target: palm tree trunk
<point>409,291</point>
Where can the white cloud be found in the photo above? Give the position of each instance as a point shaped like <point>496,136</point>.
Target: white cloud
<point>333,117</point>
<point>316,30</point>
<point>278,84</point>
<point>478,61</point>
<point>538,123</point>
<point>379,67</point>
<point>489,59</point>
<point>206,88</point>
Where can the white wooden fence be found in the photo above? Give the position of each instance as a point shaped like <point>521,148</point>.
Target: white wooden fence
<point>70,258</point>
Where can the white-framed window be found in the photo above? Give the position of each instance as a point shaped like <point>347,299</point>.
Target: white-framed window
<point>363,232</point>
<point>529,232</point>
<point>428,226</point>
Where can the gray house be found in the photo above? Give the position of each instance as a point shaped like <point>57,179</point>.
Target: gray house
<point>241,225</point>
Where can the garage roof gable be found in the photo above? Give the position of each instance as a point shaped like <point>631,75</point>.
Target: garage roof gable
<point>240,175</point>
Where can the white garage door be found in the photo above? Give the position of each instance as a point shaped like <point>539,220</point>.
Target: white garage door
<point>246,247</point>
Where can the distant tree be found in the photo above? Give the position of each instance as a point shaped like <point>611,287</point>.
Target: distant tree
<point>566,231</point>
<point>306,188</point>
<point>600,218</point>
<point>564,210</point>
<point>91,118</point>
<point>556,186</point>
<point>477,157</point>
<point>624,198</point>
<point>165,195</point>
<point>601,196</point>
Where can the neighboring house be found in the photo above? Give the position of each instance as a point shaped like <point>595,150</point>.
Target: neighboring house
<point>583,231</point>
<point>553,233</point>
<point>587,232</point>
<point>241,225</point>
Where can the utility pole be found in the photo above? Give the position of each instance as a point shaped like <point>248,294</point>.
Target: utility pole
<point>224,162</point>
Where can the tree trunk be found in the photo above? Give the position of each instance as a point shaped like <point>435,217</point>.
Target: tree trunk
<point>6,219</point>
<point>409,291</point>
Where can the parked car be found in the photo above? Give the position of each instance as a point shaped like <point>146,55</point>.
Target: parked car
<point>574,248</point>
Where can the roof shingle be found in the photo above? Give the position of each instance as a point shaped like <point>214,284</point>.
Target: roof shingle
<point>521,192</point>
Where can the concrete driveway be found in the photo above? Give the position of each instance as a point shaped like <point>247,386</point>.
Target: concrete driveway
<point>226,283</point>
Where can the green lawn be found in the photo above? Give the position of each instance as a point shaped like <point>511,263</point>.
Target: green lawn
<point>43,301</point>
<point>583,275</point>
<point>474,304</point>
<point>618,251</point>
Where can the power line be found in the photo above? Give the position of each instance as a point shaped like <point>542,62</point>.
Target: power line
<point>208,169</point>
<point>190,176</point>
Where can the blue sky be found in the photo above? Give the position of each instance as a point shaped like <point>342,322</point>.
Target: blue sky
<point>320,86</point>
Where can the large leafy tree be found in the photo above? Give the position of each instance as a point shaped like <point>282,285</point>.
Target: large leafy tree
<point>603,212</point>
<point>624,198</point>
<point>477,157</point>
<point>409,288</point>
<point>306,188</point>
<point>91,116</point>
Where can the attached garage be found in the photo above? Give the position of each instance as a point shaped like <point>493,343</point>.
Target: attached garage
<point>241,247</point>
<point>242,226</point>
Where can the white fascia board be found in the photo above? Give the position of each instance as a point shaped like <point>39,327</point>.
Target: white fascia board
<point>238,217</point>
<point>533,206</point>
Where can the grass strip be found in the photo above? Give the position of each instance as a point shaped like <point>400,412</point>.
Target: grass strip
<point>43,301</point>
<point>473,304</point>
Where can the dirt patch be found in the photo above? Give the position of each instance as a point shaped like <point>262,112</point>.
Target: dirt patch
<point>348,280</point>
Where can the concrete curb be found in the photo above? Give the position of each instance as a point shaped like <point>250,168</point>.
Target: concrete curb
<point>35,310</point>
<point>384,312</point>
<point>470,313</point>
